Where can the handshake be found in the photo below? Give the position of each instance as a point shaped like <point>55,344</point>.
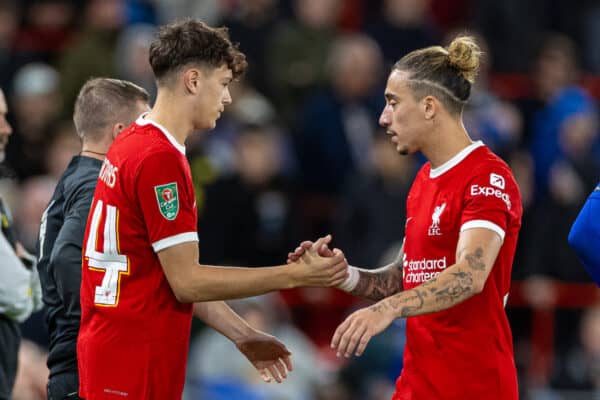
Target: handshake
<point>318,265</point>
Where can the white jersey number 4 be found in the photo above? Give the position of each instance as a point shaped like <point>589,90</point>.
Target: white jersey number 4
<point>109,260</point>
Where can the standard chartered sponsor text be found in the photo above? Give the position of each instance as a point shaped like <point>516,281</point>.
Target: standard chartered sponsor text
<point>423,270</point>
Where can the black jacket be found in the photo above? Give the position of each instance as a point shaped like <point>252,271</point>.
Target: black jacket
<point>59,259</point>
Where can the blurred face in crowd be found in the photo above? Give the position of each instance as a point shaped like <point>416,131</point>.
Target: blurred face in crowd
<point>355,57</point>
<point>590,332</point>
<point>210,86</point>
<point>9,24</point>
<point>106,15</point>
<point>317,14</point>
<point>5,128</point>
<point>258,156</point>
<point>555,70</point>
<point>407,12</point>
<point>403,118</point>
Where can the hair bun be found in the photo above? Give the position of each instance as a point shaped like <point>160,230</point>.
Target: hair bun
<point>464,55</point>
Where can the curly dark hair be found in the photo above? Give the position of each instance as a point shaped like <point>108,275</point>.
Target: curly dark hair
<point>191,41</point>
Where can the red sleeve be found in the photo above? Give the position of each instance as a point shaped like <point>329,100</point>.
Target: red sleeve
<point>489,200</point>
<point>162,187</point>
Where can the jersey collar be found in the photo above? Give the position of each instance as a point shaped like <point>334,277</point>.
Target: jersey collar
<point>454,161</point>
<point>142,120</point>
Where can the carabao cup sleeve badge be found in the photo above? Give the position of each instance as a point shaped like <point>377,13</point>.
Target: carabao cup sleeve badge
<point>168,200</point>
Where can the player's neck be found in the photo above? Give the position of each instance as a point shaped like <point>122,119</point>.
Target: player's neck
<point>95,150</point>
<point>445,144</point>
<point>168,113</point>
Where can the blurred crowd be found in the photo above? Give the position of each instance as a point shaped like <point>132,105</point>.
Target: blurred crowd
<point>299,154</point>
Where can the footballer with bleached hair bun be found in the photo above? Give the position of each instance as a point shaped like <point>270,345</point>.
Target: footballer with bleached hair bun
<point>451,279</point>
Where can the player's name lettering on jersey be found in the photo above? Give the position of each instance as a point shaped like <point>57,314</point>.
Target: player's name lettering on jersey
<point>108,173</point>
<point>487,191</point>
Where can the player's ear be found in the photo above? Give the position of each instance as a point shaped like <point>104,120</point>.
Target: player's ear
<point>117,128</point>
<point>191,80</point>
<point>429,107</point>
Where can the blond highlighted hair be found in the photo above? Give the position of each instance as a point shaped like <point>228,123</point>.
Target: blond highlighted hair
<point>444,72</point>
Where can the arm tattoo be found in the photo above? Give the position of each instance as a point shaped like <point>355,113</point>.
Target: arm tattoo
<point>475,260</point>
<point>446,290</point>
<point>419,296</point>
<point>461,285</point>
<point>377,285</point>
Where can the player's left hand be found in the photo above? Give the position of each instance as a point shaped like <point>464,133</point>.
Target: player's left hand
<point>353,335</point>
<point>268,355</point>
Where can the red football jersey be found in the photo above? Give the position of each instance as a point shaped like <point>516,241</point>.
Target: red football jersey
<point>464,352</point>
<point>134,335</point>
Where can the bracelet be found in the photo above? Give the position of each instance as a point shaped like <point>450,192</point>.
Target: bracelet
<point>351,281</point>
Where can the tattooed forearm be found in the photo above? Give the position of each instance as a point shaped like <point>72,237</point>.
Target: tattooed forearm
<point>418,299</point>
<point>448,289</point>
<point>475,259</point>
<point>451,287</point>
<point>377,285</point>
<point>461,286</point>
<point>408,305</point>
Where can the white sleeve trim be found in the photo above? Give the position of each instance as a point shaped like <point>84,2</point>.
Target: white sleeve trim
<point>482,223</point>
<point>174,240</point>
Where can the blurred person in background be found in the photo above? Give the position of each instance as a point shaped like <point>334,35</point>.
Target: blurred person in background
<point>9,25</point>
<point>337,124</point>
<point>591,32</point>
<point>138,288</point>
<point>252,22</point>
<point>577,370</point>
<point>92,52</point>
<point>512,29</point>
<point>488,118</point>
<point>563,143</point>
<point>32,377</point>
<point>131,61</point>
<point>298,53</point>
<point>37,104</point>
<point>250,217</point>
<point>565,131</point>
<point>46,29</point>
<point>370,219</point>
<point>64,145</point>
<point>35,193</point>
<point>20,292</point>
<point>401,27</point>
<point>463,220</point>
<point>209,11</point>
<point>103,109</point>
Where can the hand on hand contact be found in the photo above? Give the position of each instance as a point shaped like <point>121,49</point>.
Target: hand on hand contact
<point>321,267</point>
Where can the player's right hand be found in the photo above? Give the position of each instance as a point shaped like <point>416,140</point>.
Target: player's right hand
<point>324,250</point>
<point>316,270</point>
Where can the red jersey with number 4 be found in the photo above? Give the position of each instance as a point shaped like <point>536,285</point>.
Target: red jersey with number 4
<point>464,352</point>
<point>134,334</point>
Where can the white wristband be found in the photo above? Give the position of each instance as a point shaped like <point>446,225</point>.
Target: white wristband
<point>351,281</point>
